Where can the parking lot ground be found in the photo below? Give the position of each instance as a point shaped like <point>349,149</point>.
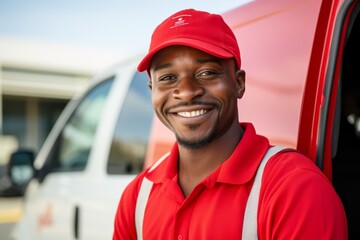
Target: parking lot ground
<point>5,230</point>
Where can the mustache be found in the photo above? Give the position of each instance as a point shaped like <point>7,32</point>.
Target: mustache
<point>187,104</point>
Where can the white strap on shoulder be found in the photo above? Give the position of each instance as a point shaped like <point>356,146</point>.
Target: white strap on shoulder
<point>250,217</point>
<point>143,197</point>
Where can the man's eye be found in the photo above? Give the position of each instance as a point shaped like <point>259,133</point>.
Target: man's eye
<point>207,73</point>
<point>167,78</point>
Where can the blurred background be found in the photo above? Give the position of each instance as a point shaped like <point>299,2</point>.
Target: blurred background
<point>48,52</point>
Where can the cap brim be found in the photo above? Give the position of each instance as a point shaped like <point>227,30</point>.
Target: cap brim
<point>200,45</point>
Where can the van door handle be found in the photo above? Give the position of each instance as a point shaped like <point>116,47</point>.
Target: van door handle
<point>76,222</point>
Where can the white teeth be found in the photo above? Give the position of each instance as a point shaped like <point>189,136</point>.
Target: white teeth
<point>192,113</point>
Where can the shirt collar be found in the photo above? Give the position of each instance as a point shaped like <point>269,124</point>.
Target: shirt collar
<point>244,161</point>
<point>238,169</point>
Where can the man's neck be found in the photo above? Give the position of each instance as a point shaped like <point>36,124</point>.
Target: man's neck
<point>196,164</point>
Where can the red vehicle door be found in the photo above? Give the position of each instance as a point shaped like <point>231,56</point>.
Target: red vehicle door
<point>329,132</point>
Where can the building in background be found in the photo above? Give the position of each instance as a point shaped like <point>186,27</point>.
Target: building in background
<point>37,80</point>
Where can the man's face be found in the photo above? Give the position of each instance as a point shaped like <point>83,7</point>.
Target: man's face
<point>195,94</point>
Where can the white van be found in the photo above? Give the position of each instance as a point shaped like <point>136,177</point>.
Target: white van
<point>89,157</point>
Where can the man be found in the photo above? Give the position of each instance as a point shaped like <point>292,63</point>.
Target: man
<point>200,190</point>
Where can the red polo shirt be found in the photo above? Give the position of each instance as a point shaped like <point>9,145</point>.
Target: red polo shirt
<point>296,200</point>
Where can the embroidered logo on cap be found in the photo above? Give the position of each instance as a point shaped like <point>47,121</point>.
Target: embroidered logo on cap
<point>180,21</point>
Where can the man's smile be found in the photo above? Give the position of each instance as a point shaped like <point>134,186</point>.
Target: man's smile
<point>192,113</point>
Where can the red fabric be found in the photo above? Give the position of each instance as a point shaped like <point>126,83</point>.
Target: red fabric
<point>190,27</point>
<point>296,199</point>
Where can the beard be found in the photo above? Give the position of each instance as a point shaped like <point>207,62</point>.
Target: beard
<point>198,143</point>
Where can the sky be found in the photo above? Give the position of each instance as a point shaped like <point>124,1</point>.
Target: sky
<point>113,25</point>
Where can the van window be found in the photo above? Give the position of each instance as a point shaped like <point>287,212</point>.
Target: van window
<point>72,149</point>
<point>128,147</point>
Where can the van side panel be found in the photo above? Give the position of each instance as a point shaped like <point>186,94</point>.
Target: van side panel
<point>275,40</point>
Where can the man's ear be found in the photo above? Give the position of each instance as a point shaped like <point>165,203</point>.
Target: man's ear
<point>149,84</point>
<point>240,80</point>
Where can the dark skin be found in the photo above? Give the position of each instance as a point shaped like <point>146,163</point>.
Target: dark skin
<point>195,95</point>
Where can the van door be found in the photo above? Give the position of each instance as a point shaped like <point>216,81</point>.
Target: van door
<point>334,136</point>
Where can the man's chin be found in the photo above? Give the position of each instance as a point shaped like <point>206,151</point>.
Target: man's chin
<point>195,144</point>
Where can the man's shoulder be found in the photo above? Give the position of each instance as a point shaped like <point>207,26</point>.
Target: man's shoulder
<point>290,164</point>
<point>296,194</point>
<point>292,160</point>
<point>132,189</point>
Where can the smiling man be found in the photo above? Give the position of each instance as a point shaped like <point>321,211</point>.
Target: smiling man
<point>201,189</point>
<point>195,95</point>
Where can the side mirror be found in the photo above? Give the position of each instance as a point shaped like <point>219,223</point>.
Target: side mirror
<point>19,171</point>
<point>20,168</point>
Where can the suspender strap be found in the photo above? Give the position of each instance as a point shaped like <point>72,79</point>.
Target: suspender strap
<point>250,218</point>
<point>143,197</point>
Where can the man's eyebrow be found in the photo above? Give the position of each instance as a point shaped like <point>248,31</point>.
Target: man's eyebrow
<point>162,66</point>
<point>199,60</point>
<point>208,60</point>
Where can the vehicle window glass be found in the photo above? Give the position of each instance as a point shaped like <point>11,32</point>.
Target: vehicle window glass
<point>74,143</point>
<point>132,131</point>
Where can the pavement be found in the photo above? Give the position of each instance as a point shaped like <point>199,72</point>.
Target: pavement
<point>5,231</point>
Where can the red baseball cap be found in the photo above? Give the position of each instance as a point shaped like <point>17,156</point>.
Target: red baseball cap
<point>197,29</point>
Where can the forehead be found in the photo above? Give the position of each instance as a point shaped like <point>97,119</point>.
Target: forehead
<point>168,54</point>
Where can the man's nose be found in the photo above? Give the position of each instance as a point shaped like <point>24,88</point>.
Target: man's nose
<point>188,88</point>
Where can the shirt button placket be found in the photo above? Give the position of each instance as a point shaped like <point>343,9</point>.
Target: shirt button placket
<point>180,237</point>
